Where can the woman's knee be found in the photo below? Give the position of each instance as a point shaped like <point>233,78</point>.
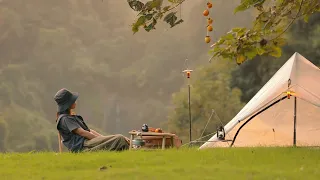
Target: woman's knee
<point>119,136</point>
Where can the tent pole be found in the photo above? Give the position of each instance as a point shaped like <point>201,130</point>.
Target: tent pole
<point>295,123</point>
<point>235,136</point>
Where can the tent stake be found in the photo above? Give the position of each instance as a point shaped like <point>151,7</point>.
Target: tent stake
<point>295,123</point>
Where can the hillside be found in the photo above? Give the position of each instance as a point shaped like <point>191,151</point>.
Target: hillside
<point>124,80</point>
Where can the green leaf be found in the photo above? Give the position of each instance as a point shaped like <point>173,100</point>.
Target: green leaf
<point>175,1</point>
<point>220,41</point>
<point>135,28</point>
<point>135,5</point>
<point>170,16</point>
<point>237,29</point>
<point>178,22</point>
<point>246,4</point>
<point>148,6</point>
<point>166,8</point>
<point>279,30</point>
<point>216,54</point>
<point>153,4</point>
<point>228,36</point>
<point>276,51</point>
<point>280,41</point>
<point>250,52</point>
<point>241,7</point>
<point>255,37</point>
<point>260,51</point>
<point>149,27</point>
<point>217,49</point>
<point>171,19</point>
<point>141,21</point>
<point>225,55</point>
<point>148,16</point>
<point>157,4</point>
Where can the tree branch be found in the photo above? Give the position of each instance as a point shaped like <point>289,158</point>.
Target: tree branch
<point>297,15</point>
<point>176,5</point>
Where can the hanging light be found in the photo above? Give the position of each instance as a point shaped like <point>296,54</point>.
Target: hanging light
<point>188,73</point>
<point>289,94</point>
<point>221,133</point>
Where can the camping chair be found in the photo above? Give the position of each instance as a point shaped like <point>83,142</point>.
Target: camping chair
<point>60,142</point>
<point>59,137</point>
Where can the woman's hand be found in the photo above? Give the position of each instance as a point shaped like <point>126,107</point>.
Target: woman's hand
<point>84,133</point>
<point>127,139</point>
<point>95,132</point>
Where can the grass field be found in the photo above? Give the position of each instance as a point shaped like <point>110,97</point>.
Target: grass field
<point>233,163</point>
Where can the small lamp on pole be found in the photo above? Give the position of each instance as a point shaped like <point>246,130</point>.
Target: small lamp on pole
<point>188,75</point>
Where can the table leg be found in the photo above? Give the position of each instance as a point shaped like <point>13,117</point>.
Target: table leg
<point>163,142</point>
<point>172,143</point>
<point>131,139</point>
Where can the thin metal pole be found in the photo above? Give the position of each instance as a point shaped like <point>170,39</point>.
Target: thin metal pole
<point>190,120</point>
<point>188,74</point>
<point>295,122</point>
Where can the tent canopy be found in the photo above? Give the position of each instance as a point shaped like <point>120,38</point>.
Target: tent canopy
<point>274,127</point>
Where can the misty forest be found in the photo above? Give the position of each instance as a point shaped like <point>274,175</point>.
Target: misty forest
<point>126,79</point>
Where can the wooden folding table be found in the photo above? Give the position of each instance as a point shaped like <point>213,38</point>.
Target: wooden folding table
<point>163,135</point>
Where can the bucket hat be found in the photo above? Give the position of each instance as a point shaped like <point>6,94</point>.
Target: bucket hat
<point>65,98</point>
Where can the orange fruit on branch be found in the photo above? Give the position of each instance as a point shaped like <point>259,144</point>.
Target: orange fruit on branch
<point>209,28</point>
<point>206,12</point>
<point>210,21</point>
<point>209,5</point>
<point>240,59</point>
<point>207,39</point>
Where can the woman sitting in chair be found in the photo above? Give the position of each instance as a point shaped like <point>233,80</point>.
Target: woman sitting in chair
<point>75,133</point>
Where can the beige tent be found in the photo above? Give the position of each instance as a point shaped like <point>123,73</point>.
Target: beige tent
<point>271,114</point>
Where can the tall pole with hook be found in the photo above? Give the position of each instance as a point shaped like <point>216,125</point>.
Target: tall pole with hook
<point>187,72</point>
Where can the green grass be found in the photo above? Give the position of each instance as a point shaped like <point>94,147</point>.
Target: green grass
<point>229,163</point>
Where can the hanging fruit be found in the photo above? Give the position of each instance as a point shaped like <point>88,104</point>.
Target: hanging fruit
<point>206,12</point>
<point>207,39</point>
<point>209,22</point>
<point>240,59</point>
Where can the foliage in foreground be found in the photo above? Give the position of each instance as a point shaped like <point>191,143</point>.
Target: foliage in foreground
<point>302,38</point>
<point>265,37</point>
<point>239,163</point>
